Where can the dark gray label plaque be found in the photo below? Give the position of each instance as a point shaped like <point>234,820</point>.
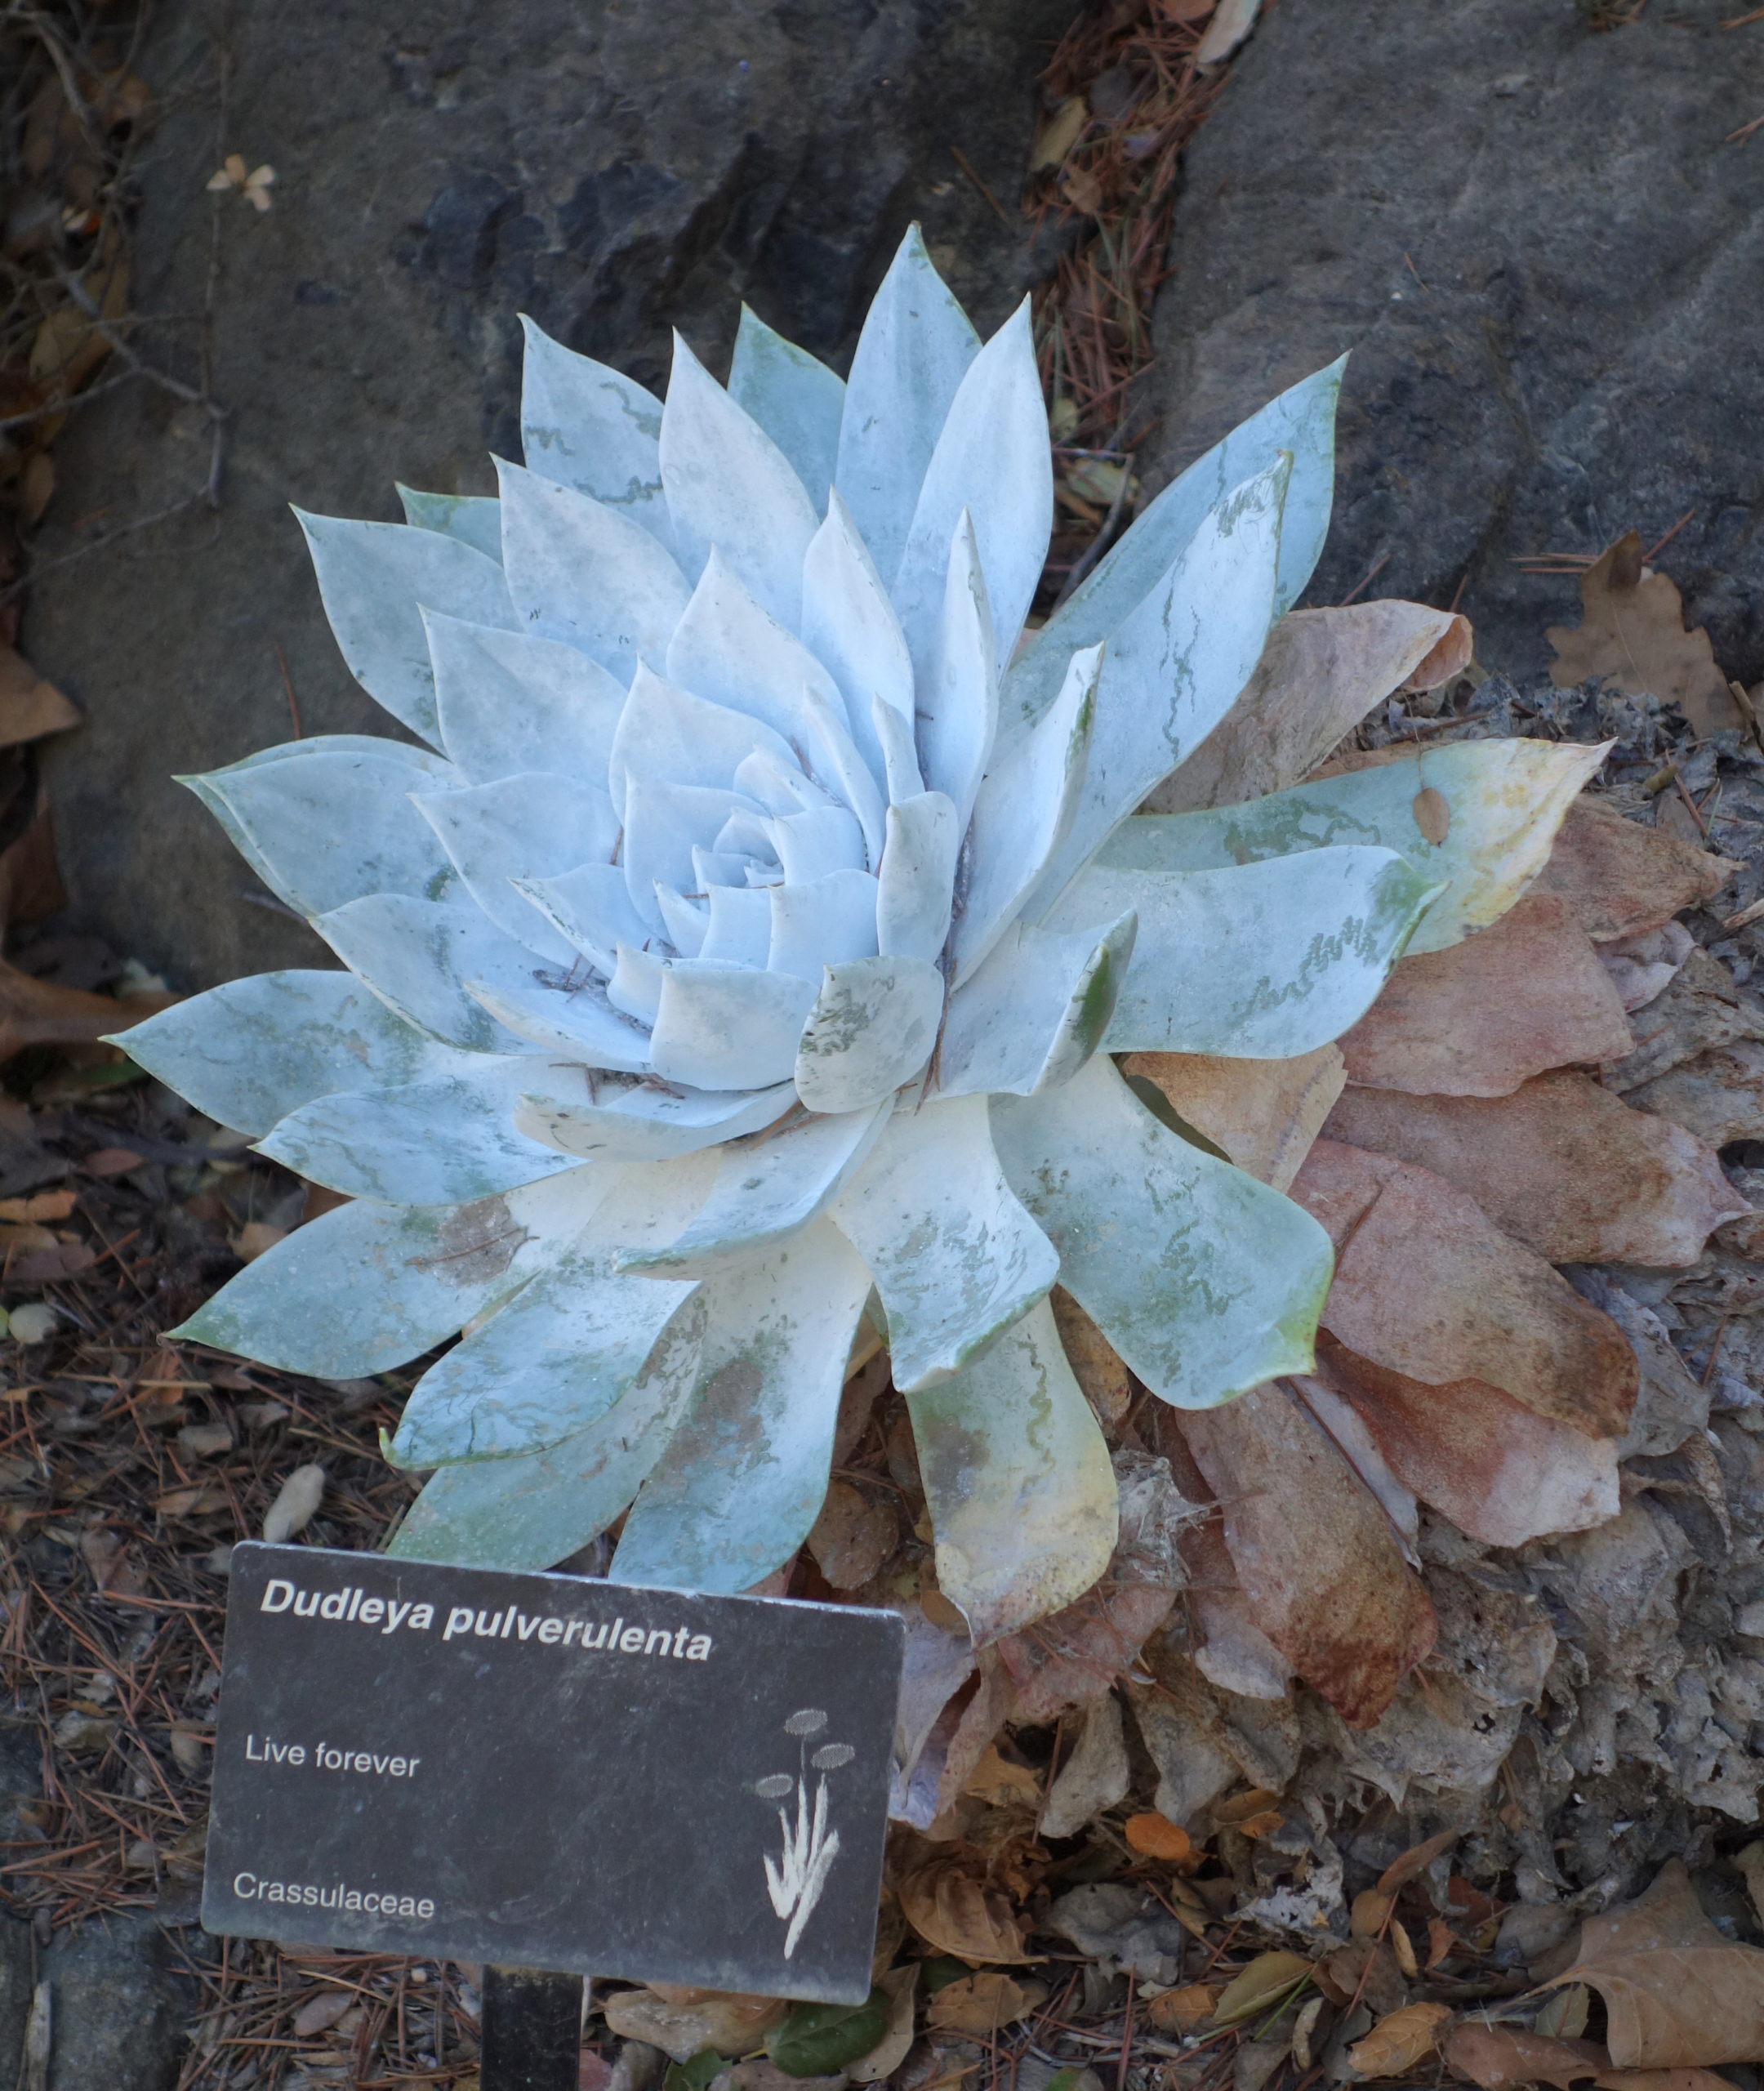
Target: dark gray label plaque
<point>551,1772</point>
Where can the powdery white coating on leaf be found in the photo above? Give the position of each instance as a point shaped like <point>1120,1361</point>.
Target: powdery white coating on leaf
<point>591,428</point>
<point>872,1028</point>
<point>1205,1281</point>
<point>249,1052</point>
<point>507,701</point>
<point>1301,421</point>
<point>1504,801</point>
<point>376,578</point>
<point>729,486</point>
<point>446,1141</point>
<point>1261,959</point>
<point>417,957</point>
<point>394,1281</point>
<point>1017,1480</point>
<point>1035,1011</point>
<point>473,518</point>
<point>911,356</point>
<point>1175,668</point>
<point>635,1121</point>
<point>323,824</point>
<point>793,397</point>
<point>530,826</point>
<point>567,1350</point>
<point>743,1477</point>
<point>767,1190</point>
<point>956,1257</point>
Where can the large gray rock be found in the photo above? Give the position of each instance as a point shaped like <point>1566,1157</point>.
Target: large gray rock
<point>1549,269</point>
<point>120,2001</point>
<point>612,166</point>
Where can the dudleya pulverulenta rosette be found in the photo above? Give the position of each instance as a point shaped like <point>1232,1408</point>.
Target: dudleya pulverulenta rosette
<point>752,935</point>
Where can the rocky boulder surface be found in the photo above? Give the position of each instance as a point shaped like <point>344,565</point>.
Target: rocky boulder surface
<point>1548,262</point>
<point>613,167</point>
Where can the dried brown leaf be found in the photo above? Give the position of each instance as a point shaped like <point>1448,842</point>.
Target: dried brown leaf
<point>1631,632</point>
<point>1528,992</point>
<point>30,705</point>
<point>982,2003</point>
<point>1410,1864</point>
<point>1186,2009</point>
<point>1320,674</point>
<point>1397,2044</point>
<point>1620,877</point>
<point>1312,1550</point>
<point>1001,1783</point>
<point>852,1537</point>
<point>1097,1367</point>
<point>949,1905</point>
<point>1263,1982</point>
<point>1561,1165</point>
<point>1677,1994</point>
<point>1263,1114</point>
<point>1155,1836</point>
<point>1369,1912</point>
<point>1427,1286</point>
<point>1501,2057</point>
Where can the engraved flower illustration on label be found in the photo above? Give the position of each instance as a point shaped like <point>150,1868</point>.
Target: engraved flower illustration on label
<point>795,1879</point>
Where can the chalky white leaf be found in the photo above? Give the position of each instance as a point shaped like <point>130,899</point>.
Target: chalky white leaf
<point>590,428</point>
<point>793,397</point>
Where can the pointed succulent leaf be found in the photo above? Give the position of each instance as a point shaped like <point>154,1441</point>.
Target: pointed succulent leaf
<point>848,624</point>
<point>591,908</point>
<point>914,349</point>
<point>1022,815</point>
<point>531,826</point>
<point>721,1026</point>
<point>592,429</point>
<point>446,1141</point>
<point>667,735</point>
<point>958,691</point>
<point>1173,670</point>
<point>746,1471</point>
<point>664,825</point>
<point>730,485</point>
<point>416,955</point>
<point>918,875</point>
<point>1260,960</point>
<point>991,462</point>
<point>537,1508</point>
<point>956,1256</point>
<point>324,825</point>
<point>508,702</point>
<point>1301,421</point>
<point>767,1190</point>
<point>873,1026</point>
<point>826,921</point>
<point>1491,810</point>
<point>566,1015</point>
<point>585,574</point>
<point>793,397</point>
<point>473,518</point>
<point>376,579</point>
<point>365,1287</point>
<point>639,1122</point>
<point>1204,1280</point>
<point>567,1350</point>
<point>1018,1481</point>
<point>248,1053</point>
<point>730,648</point>
<point>1035,1011</point>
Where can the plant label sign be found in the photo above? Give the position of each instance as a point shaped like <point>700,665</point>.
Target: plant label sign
<point>551,1772</point>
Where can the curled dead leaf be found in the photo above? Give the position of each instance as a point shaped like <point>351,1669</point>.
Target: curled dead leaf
<point>1503,2058</point>
<point>1185,2010</point>
<point>1262,1114</point>
<point>1399,2043</point>
<point>1155,1836</point>
<point>852,1538</point>
<point>949,1905</point>
<point>1677,1994</point>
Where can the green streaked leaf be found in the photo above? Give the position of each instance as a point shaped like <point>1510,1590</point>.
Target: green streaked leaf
<point>1017,1480</point>
<point>818,2039</point>
<point>1503,801</point>
<point>1206,1281</point>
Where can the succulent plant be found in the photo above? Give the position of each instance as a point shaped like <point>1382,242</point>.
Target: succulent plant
<point>739,941</point>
